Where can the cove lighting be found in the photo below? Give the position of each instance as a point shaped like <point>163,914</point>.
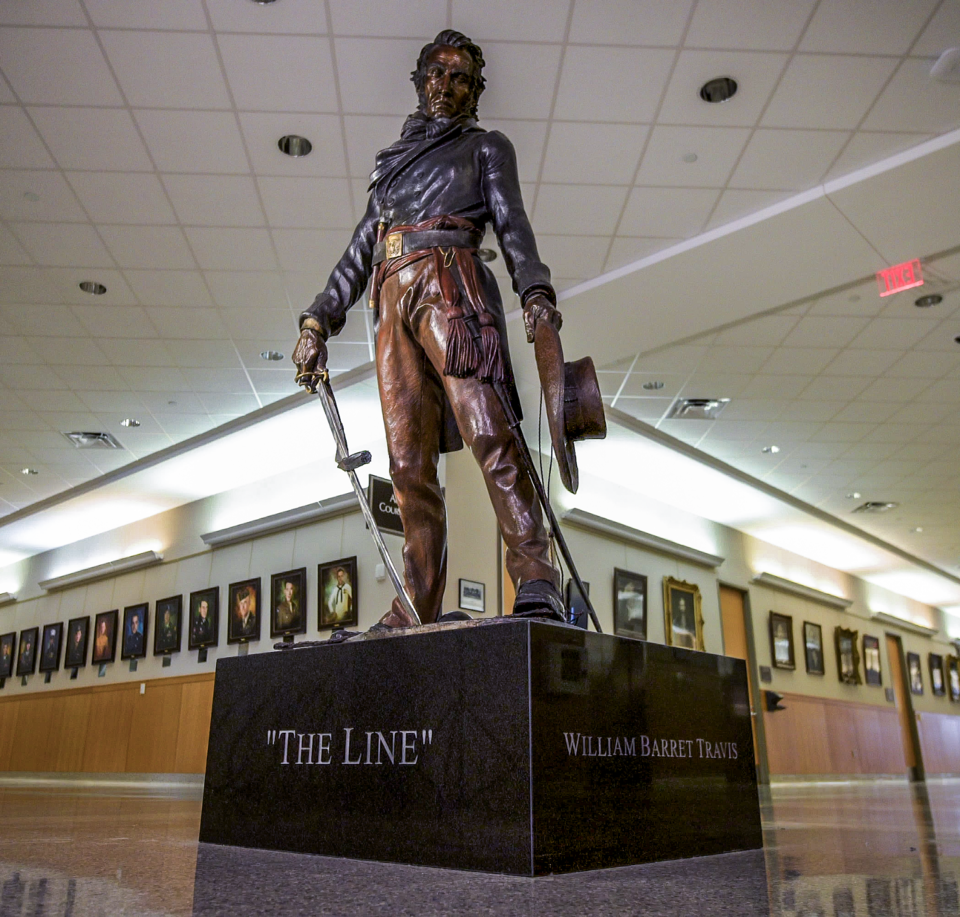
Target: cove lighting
<point>912,626</point>
<point>7,597</point>
<point>804,592</point>
<point>301,515</point>
<point>110,568</point>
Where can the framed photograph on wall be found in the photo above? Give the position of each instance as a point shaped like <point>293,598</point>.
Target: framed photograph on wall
<point>243,623</point>
<point>871,660</point>
<point>848,656</point>
<point>683,618</point>
<point>288,603</point>
<point>167,627</point>
<point>78,630</point>
<point>105,637</point>
<point>813,648</point>
<point>575,605</point>
<point>50,644</point>
<point>338,593</point>
<point>473,596</point>
<point>781,641</point>
<point>134,642</point>
<point>915,673</point>
<point>27,654</point>
<point>937,682</point>
<point>629,604</point>
<point>953,678</point>
<point>8,643</point>
<point>204,618</point>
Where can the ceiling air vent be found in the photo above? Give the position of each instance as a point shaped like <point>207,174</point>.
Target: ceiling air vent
<point>875,506</point>
<point>93,440</point>
<point>697,408</point>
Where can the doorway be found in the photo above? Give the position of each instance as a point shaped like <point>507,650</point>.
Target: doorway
<point>909,737</point>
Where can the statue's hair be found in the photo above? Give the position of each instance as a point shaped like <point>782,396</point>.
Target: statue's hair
<point>453,39</point>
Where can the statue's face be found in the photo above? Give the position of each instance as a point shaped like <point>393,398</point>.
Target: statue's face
<point>448,87</point>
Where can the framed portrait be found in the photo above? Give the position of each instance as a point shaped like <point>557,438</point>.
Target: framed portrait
<point>871,660</point>
<point>204,618</point>
<point>134,642</point>
<point>848,656</point>
<point>915,673</point>
<point>473,596</point>
<point>629,604</point>
<point>338,593</point>
<point>781,641</point>
<point>576,606</point>
<point>78,630</point>
<point>167,627</point>
<point>27,654</point>
<point>937,682</point>
<point>683,617</point>
<point>243,621</point>
<point>813,648</point>
<point>8,643</point>
<point>105,637</point>
<point>953,678</point>
<point>50,643</point>
<point>288,603</point>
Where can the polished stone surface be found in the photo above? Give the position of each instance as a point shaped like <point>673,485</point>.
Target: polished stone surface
<point>868,850</point>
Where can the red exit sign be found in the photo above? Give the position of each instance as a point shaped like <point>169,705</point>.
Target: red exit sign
<point>900,277</point>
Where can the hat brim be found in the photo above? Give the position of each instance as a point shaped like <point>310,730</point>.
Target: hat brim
<point>549,355</point>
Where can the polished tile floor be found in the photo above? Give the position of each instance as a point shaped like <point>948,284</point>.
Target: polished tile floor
<point>834,850</point>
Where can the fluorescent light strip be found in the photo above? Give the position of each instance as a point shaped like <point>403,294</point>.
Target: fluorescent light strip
<point>111,568</point>
<point>805,592</point>
<point>884,618</point>
<point>594,523</point>
<point>266,525</point>
<point>7,597</point>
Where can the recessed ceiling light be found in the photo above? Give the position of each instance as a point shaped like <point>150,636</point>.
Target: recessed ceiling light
<point>770,450</point>
<point>924,302</point>
<point>129,422</point>
<point>876,506</point>
<point>719,89</point>
<point>653,386</point>
<point>957,339</point>
<point>855,495</point>
<point>29,471</point>
<point>917,530</point>
<point>92,287</point>
<point>689,157</point>
<point>294,145</point>
<point>273,355</point>
<point>31,196</point>
<point>486,255</point>
<point>264,2</point>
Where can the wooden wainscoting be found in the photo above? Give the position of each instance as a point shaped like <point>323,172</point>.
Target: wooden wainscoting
<point>110,729</point>
<point>815,735</point>
<point>939,742</point>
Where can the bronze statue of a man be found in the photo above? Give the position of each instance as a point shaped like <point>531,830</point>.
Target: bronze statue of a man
<point>441,337</point>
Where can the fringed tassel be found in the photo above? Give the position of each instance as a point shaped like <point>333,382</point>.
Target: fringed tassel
<point>463,360</point>
<point>491,369</point>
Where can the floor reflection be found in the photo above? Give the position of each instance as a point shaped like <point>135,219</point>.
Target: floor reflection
<point>851,850</point>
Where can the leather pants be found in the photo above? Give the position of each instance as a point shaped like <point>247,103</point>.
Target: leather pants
<point>411,349</point>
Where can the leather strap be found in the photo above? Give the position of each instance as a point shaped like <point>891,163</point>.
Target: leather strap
<point>417,241</point>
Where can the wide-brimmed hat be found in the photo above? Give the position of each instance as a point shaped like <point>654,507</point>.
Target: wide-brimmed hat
<point>572,397</point>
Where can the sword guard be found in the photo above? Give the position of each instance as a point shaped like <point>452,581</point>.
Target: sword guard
<point>354,461</point>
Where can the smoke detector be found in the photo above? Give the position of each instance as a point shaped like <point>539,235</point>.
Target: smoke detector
<point>86,440</point>
<point>875,506</point>
<point>697,408</point>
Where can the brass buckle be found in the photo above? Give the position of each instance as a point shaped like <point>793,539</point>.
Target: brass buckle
<point>393,245</point>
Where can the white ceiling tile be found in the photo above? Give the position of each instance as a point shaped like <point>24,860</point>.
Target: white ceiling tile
<point>750,24</point>
<point>263,130</point>
<point>827,91</point>
<point>150,69</point>
<point>667,211</point>
<point>63,244</point>
<point>297,17</point>
<point>74,351</point>
<point>118,197</point>
<point>484,20</point>
<point>52,399</point>
<point>57,201</point>
<point>303,249</point>
<point>247,289</point>
<point>889,27</point>
<point>520,81</point>
<point>573,256</point>
<point>188,324</point>
<point>169,288</point>
<point>138,352</point>
<point>834,388</point>
<point>92,138</point>
<point>812,331</point>
<point>842,433</point>
<point>114,321</point>
<point>231,404</point>
<point>918,412</point>
<point>273,381</point>
<point>866,411</point>
<point>392,17</point>
<point>374,75</point>
<point>215,200</point>
<point>756,75</point>
<point>923,364</point>
<point>20,144</point>
<point>893,333</point>
<point>629,22</point>
<point>584,209</point>
<point>727,358</point>
<point>869,363</point>
<point>604,153</point>
<point>866,148</point>
<point>812,410</point>
<point>302,287</point>
<point>148,246</point>
<point>775,386</point>
<point>891,390</point>
<point>57,67</point>
<point>17,350</point>
<point>943,337</point>
<point>261,324</point>
<point>216,380</point>
<point>729,384</point>
<point>785,159</point>
<point>206,355</point>
<point>941,33</point>
<point>769,330</point>
<point>716,148</point>
<point>171,14</point>
<point>612,84</point>
<point>799,360</point>
<point>945,391</point>
<point>231,249</point>
<point>155,379</point>
<point>528,139</point>
<point>750,409</point>
<point>307,202</point>
<point>6,93</point>
<point>737,203</point>
<point>193,141</point>
<point>366,135</point>
<point>45,321</point>
<point>628,249</point>
<point>668,360</point>
<point>344,357</point>
<point>11,251</point>
<point>42,12</point>
<point>279,72</point>
<point>913,101</point>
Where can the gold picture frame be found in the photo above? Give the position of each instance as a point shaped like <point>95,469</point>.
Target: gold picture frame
<point>848,656</point>
<point>683,617</point>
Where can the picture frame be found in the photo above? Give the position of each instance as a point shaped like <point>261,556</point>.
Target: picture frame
<point>288,603</point>
<point>781,641</point>
<point>105,637</point>
<point>75,652</point>
<point>8,646</point>
<point>133,644</point>
<point>938,684</point>
<point>848,656</point>
<point>683,617</point>
<point>473,596</point>
<point>27,651</point>
<point>576,606</point>
<point>51,642</point>
<point>204,624</point>
<point>337,598</point>
<point>813,648</point>
<point>168,628</point>
<point>243,618</point>
<point>953,678</point>
<point>914,673</point>
<point>871,660</point>
<point>629,604</point>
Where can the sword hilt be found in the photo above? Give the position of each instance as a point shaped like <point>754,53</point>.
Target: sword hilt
<point>354,461</point>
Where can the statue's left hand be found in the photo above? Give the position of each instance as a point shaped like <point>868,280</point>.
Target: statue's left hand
<point>536,309</point>
<point>310,357</point>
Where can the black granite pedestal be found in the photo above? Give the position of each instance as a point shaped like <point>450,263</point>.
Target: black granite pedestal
<point>516,747</point>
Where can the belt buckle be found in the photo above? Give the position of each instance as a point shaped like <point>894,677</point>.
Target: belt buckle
<point>393,245</point>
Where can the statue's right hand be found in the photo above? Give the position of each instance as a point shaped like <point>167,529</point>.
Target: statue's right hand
<point>310,357</point>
